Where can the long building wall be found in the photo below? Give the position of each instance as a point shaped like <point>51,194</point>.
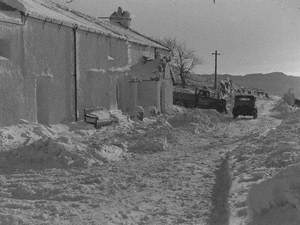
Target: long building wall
<point>49,65</point>
<point>12,99</point>
<point>37,84</point>
<point>97,52</point>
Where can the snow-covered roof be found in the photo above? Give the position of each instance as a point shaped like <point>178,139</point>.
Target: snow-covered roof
<point>48,10</point>
<point>131,34</point>
<point>10,18</point>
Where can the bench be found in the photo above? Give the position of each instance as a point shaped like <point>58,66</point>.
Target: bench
<point>90,116</point>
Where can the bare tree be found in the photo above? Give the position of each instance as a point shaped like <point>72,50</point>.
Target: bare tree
<point>183,59</point>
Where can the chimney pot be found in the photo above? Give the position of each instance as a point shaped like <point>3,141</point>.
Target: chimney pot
<point>121,17</point>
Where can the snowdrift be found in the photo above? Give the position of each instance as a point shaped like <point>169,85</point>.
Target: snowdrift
<point>52,153</point>
<point>35,146</point>
<point>282,109</point>
<point>276,200</point>
<point>28,146</point>
<point>46,153</point>
<point>278,194</point>
<point>203,120</point>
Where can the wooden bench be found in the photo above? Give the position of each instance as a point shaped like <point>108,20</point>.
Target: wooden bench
<point>92,118</point>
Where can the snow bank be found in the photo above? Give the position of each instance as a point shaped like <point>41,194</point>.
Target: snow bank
<point>29,146</point>
<point>149,145</point>
<point>35,146</point>
<point>53,153</point>
<point>45,153</point>
<point>22,134</point>
<point>124,122</point>
<point>111,153</point>
<point>6,219</point>
<point>282,109</point>
<point>152,135</point>
<point>202,120</point>
<point>175,109</point>
<point>277,200</point>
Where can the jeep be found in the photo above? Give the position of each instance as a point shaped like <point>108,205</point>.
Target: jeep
<point>244,105</point>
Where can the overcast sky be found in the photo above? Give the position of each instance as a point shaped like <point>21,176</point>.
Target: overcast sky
<point>252,35</point>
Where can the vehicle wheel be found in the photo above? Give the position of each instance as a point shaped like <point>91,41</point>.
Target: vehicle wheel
<point>219,110</point>
<point>225,110</point>
<point>179,103</point>
<point>255,114</point>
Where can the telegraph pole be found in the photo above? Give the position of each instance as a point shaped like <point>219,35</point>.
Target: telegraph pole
<point>216,54</point>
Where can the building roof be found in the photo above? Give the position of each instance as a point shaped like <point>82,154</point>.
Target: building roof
<point>56,13</point>
<point>131,34</point>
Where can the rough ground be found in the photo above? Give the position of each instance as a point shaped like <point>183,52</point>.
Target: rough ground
<point>265,187</point>
<point>196,168</point>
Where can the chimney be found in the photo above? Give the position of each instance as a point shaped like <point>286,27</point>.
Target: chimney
<point>121,17</point>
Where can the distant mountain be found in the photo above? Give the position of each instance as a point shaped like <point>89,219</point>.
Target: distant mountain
<point>275,83</point>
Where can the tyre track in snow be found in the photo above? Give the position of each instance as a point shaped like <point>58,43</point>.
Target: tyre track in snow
<point>239,132</point>
<point>174,186</point>
<point>220,207</point>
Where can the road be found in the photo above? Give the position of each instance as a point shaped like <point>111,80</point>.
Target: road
<point>189,179</point>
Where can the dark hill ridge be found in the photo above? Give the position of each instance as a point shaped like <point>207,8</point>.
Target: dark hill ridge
<point>276,83</point>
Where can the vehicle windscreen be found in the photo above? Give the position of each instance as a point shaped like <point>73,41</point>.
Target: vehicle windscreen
<point>204,93</point>
<point>244,101</point>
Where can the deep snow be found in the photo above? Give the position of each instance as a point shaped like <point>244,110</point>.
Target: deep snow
<point>191,167</point>
<point>265,187</point>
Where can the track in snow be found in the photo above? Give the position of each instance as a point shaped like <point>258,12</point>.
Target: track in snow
<point>220,208</point>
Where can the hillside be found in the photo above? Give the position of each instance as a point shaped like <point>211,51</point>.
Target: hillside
<point>276,83</point>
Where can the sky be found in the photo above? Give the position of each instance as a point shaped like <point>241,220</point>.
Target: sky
<point>253,36</point>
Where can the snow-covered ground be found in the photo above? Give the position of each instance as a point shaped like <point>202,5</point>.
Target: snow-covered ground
<point>265,173</point>
<point>193,167</point>
<point>149,172</point>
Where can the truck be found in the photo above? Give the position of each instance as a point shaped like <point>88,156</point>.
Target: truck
<point>199,98</point>
<point>244,105</point>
